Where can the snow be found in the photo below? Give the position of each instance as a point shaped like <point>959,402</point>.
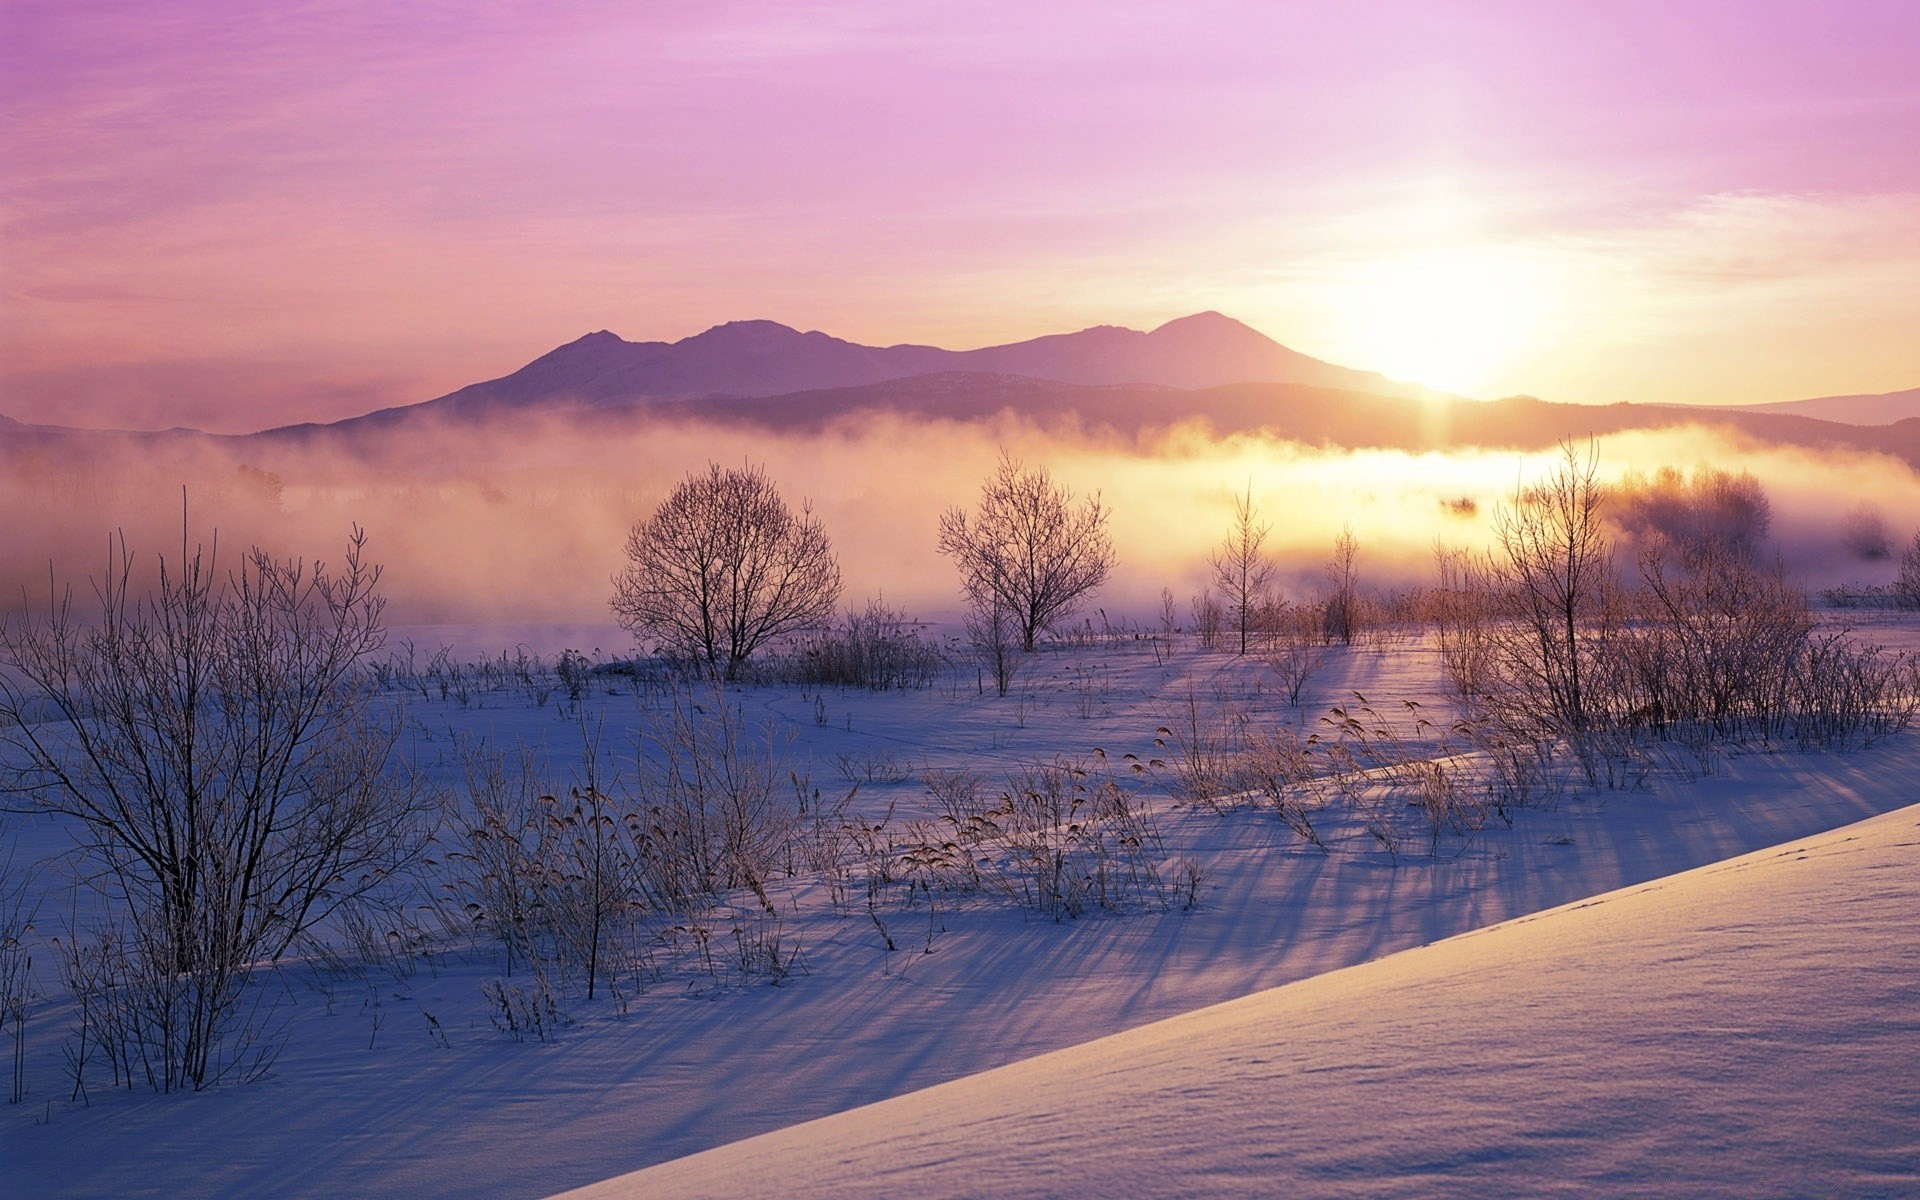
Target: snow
<point>365,1101</point>
<point>1742,1029</point>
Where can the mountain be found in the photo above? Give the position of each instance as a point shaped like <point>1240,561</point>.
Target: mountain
<point>764,358</point>
<point>1886,408</point>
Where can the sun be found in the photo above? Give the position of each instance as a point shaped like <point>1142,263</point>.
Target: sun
<point>1452,319</point>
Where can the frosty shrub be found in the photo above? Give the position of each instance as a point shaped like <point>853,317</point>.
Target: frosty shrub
<point>1207,619</point>
<point>1711,508</point>
<point>712,808</point>
<point>16,967</point>
<point>217,743</point>
<point>1716,639</point>
<point>1058,839</point>
<point>1723,650</point>
<point>994,637</point>
<point>1284,771</point>
<point>1461,607</point>
<point>1906,585</point>
<point>1551,578</point>
<point>877,648</point>
<point>1342,613</point>
<point>1864,535</point>
<point>1200,751</point>
<point>1296,649</point>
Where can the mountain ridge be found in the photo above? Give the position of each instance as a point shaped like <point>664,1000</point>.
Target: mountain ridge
<point>1870,408</point>
<point>758,358</point>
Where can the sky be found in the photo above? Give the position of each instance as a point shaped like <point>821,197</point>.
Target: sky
<point>232,215</point>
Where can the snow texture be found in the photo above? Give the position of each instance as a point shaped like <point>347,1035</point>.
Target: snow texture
<point>1743,1029</point>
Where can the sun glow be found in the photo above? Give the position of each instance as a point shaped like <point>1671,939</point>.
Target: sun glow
<point>1453,319</point>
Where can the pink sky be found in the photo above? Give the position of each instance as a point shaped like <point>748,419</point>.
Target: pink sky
<point>229,216</point>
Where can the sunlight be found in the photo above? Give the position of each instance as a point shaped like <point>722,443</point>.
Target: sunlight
<point>1451,319</point>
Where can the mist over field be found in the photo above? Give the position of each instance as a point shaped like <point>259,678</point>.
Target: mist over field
<point>523,518</point>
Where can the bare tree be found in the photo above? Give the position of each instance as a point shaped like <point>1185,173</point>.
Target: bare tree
<point>722,566</point>
<point>1906,585</point>
<point>219,748</point>
<point>1206,618</point>
<point>1864,533</point>
<point>1241,568</point>
<point>1711,505</point>
<point>1716,636</point>
<point>1552,570</point>
<point>1297,650</point>
<point>1342,611</point>
<point>1462,608</point>
<point>1028,549</point>
<point>995,639</point>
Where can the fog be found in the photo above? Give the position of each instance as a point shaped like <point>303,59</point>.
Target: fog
<point>523,521</point>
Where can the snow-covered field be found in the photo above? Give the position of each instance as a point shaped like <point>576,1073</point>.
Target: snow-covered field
<point>395,1082</point>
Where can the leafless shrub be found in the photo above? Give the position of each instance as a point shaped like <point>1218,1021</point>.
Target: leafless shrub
<point>993,633</point>
<point>1201,747</point>
<point>1058,839</point>
<point>878,648</point>
<point>1449,804</point>
<point>1208,618</point>
<point>1283,770</point>
<point>1342,612</point>
<point>712,810</point>
<point>1296,650</point>
<point>548,871</point>
<point>217,741</point>
<point>500,875</point>
<point>1416,760</point>
<point>523,1011</point>
<point>156,1026</point>
<point>1726,651</point>
<point>1551,572</point>
<point>1864,535</point>
<point>872,766</point>
<point>1906,586</point>
<point>1843,693</point>
<point>762,950</point>
<point>17,913</point>
<point>1462,610</point>
<point>1711,508</point>
<point>1717,635</point>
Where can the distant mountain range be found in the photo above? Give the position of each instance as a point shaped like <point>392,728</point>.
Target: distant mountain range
<point>752,359</point>
<point>1887,408</point>
<point>1207,366</point>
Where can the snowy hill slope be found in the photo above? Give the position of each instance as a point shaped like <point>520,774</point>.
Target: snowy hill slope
<point>1746,1028</point>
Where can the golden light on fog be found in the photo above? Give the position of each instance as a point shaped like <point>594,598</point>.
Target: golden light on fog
<point>1451,319</point>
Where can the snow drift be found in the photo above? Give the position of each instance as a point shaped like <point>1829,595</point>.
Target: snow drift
<point>1746,1028</point>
